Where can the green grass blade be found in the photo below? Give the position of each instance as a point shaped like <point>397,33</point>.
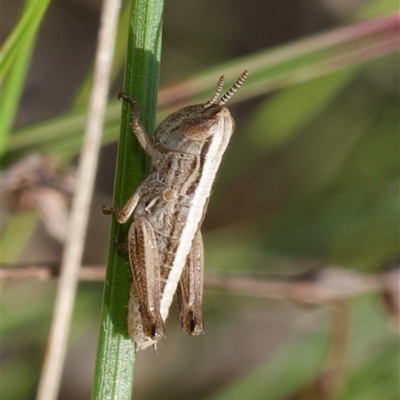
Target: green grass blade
<point>15,56</point>
<point>12,92</point>
<point>116,354</point>
<point>25,30</point>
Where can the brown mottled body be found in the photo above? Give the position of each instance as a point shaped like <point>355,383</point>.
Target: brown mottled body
<point>165,245</point>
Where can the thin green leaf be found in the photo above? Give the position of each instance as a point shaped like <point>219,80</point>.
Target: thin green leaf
<point>15,57</point>
<point>24,31</point>
<point>116,355</point>
<point>12,92</point>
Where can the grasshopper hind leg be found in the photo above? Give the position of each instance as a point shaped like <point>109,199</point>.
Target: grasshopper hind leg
<point>190,289</point>
<point>145,293</point>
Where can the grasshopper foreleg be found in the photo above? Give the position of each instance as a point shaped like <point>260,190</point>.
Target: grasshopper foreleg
<point>137,126</point>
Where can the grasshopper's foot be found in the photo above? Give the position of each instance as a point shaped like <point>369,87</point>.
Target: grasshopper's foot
<point>135,104</point>
<point>107,210</point>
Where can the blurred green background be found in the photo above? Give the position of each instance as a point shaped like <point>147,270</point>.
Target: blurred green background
<point>310,180</point>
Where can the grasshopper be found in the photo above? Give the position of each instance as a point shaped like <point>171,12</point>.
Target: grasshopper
<point>164,241</point>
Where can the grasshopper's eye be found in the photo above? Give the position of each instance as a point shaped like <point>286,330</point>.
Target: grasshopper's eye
<point>198,128</point>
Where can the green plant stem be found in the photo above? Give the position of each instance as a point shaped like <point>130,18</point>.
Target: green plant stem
<point>116,353</point>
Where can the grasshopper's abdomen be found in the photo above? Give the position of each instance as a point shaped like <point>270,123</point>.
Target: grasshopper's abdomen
<point>167,207</point>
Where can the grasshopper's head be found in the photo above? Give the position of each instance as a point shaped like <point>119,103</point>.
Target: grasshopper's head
<point>186,129</point>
